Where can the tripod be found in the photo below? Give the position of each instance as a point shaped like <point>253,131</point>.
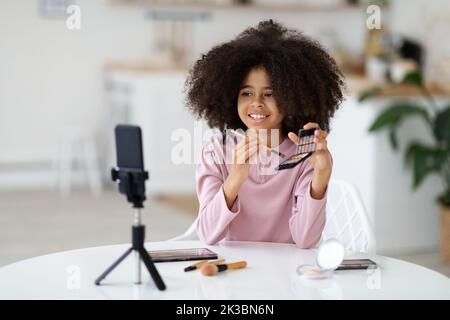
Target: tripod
<point>132,183</point>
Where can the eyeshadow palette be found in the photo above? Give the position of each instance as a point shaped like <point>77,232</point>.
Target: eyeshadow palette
<point>305,148</point>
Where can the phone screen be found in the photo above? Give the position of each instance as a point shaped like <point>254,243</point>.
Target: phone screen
<point>182,255</point>
<point>350,264</point>
<point>129,147</point>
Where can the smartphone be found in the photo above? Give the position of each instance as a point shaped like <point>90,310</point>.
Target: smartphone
<point>182,255</point>
<point>129,147</point>
<point>353,264</point>
<point>306,148</point>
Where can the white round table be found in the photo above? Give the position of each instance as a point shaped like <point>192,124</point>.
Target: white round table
<point>271,274</point>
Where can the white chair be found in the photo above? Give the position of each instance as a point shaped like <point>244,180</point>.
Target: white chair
<point>189,234</point>
<point>76,146</point>
<point>347,220</point>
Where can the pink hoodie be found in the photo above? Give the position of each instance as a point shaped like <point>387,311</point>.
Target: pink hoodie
<point>272,206</point>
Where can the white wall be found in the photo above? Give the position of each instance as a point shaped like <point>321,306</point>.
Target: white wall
<point>346,25</point>
<point>51,77</point>
<point>413,18</point>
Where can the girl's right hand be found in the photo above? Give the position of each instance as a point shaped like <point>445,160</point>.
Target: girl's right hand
<point>243,155</point>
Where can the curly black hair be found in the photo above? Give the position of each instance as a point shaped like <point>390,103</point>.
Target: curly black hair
<point>306,81</point>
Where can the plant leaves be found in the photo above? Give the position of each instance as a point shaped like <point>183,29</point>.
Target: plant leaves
<point>420,168</point>
<point>369,93</point>
<point>442,125</point>
<point>395,113</point>
<point>393,137</point>
<point>424,160</point>
<point>444,198</point>
<point>410,151</point>
<point>413,77</point>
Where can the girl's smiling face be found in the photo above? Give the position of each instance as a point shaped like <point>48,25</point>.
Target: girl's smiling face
<point>257,107</point>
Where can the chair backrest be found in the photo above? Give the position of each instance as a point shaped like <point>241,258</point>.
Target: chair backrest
<point>347,220</point>
<point>189,234</point>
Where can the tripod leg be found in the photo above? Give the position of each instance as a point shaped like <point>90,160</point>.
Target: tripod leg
<point>138,267</point>
<point>111,268</point>
<point>151,268</point>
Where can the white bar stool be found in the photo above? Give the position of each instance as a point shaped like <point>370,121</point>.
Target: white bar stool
<point>77,148</point>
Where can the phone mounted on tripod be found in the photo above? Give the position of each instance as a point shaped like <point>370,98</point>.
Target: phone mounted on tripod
<point>131,176</point>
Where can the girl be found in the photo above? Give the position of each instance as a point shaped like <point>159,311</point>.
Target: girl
<point>269,79</point>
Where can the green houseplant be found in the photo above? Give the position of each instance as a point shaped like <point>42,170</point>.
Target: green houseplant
<point>423,159</point>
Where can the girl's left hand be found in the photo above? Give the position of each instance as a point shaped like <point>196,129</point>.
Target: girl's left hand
<point>321,158</point>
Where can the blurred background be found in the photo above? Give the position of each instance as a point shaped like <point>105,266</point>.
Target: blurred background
<point>72,69</point>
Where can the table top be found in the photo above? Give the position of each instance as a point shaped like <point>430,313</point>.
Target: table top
<point>270,274</point>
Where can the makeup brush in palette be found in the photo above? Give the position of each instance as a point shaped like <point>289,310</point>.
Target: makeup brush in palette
<point>268,148</point>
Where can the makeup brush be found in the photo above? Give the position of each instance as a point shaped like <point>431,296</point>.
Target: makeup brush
<point>200,264</point>
<point>268,148</point>
<point>212,269</point>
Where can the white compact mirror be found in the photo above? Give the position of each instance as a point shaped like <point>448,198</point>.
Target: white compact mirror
<point>330,255</point>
